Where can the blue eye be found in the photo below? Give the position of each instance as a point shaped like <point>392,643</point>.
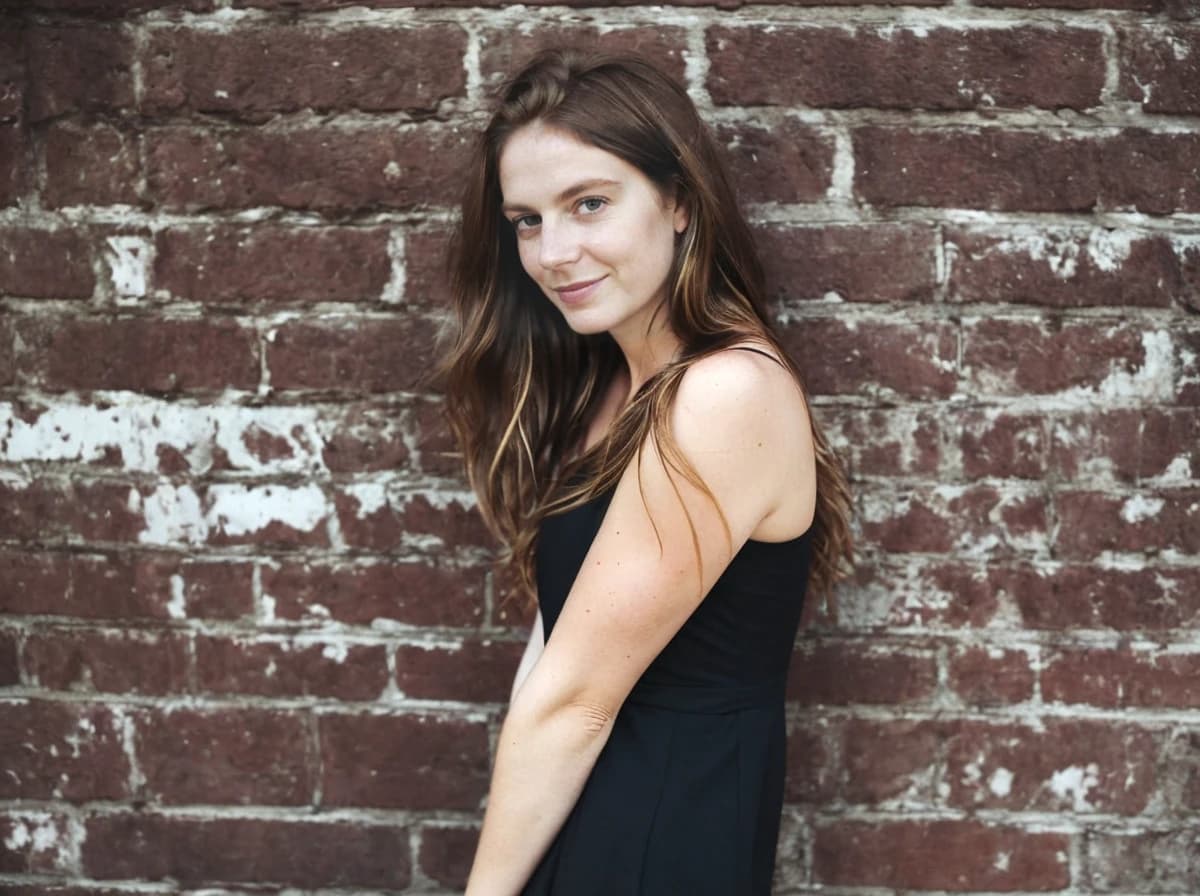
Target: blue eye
<point>525,222</point>
<point>593,204</point>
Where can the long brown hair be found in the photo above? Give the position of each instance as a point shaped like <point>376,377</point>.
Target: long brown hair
<point>521,385</point>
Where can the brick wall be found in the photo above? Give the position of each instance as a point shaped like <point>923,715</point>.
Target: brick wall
<point>251,639</point>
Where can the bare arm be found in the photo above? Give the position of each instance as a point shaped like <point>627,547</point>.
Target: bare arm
<point>628,601</point>
<point>533,650</point>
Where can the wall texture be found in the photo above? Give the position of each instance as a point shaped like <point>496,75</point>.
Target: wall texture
<point>251,640</point>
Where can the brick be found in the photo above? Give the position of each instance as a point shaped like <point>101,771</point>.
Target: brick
<point>1181,781</point>
<point>938,855</point>
<point>877,358</point>
<point>272,264</point>
<point>1126,445</point>
<point>426,281</point>
<point>1154,598</point>
<point>438,453</point>
<point>979,520</point>
<point>852,263</point>
<point>1076,4</point>
<point>144,846</point>
<point>1152,521</point>
<point>1011,446</point>
<point>777,160</point>
<point>238,757</point>
<point>99,78</point>
<point>8,369</point>
<point>887,441</point>
<point>1121,678</point>
<point>445,854</point>
<point>130,661</point>
<point>848,672</point>
<point>138,353</point>
<point>890,762</point>
<point>333,668</point>
<point>10,666</point>
<point>1160,67</point>
<point>90,164</point>
<point>434,522</point>
<point>906,68</point>
<point>985,168</point>
<point>369,438</point>
<point>218,589</point>
<point>353,354</point>
<point>504,50</point>
<point>12,70</point>
<point>414,593</point>
<point>318,169</point>
<point>52,510</point>
<point>61,751</point>
<point>812,772</point>
<point>1146,861</point>
<point>251,72</point>
<point>1151,172</point>
<point>1064,268</point>
<point>120,8</point>
<point>445,763</point>
<point>476,671</point>
<point>35,842</point>
<point>46,264</point>
<point>990,676</point>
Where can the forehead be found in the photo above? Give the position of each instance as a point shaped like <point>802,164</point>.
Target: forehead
<point>538,162</point>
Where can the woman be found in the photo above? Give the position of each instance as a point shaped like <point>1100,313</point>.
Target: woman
<point>639,440</point>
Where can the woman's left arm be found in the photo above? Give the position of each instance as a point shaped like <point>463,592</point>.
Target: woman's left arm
<point>637,586</point>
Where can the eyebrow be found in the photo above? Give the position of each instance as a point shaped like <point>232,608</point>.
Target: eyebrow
<point>581,187</point>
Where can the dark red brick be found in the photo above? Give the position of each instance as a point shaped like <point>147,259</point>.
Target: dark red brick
<point>251,71</point>
<point>12,69</point>
<point>1156,173</point>
<point>61,751</point>
<point>990,676</point>
<point>848,672</point>
<point>1064,269</point>
<point>90,164</point>
<point>889,760</point>
<point>445,763</point>
<point>123,661</point>
<point>1076,4</point>
<point>1143,861</point>
<point>255,851</point>
<point>777,160</point>
<point>887,441</point>
<point>438,453</point>
<point>15,166</point>
<point>10,667</point>
<point>906,68</point>
<point>290,669</point>
<point>1160,67</point>
<point>357,354</point>
<point>369,438</point>
<point>938,855</point>
<point>46,264</point>
<point>273,264</point>
<point>415,593</point>
<point>323,170</point>
<point>446,853</point>
<point>812,773</point>
<point>426,281</point>
<point>1121,678</point>
<point>852,263</point>
<point>477,671</point>
<point>442,524</point>
<point>247,756</point>
<point>1159,520</point>
<point>1012,446</point>
<point>138,353</point>
<point>52,510</point>
<point>119,8</point>
<point>35,842</point>
<point>99,77</point>
<point>1088,596</point>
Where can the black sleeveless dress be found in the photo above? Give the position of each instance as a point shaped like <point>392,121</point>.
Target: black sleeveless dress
<point>685,799</point>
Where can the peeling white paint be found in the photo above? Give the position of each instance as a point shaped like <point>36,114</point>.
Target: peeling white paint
<point>1000,782</point>
<point>129,261</point>
<point>336,651</point>
<point>239,510</point>
<point>1002,860</point>
<point>371,496</point>
<point>1073,783</point>
<point>1139,508</point>
<point>1108,249</point>
<point>177,605</point>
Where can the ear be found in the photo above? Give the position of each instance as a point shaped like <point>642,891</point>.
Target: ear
<point>681,216</point>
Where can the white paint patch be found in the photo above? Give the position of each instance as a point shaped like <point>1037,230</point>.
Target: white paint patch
<point>177,606</point>
<point>33,829</point>
<point>335,651</point>
<point>240,510</point>
<point>129,260</point>
<point>173,514</point>
<point>1139,508</point>
<point>393,290</point>
<point>1108,249</point>
<point>1000,783</point>
<point>1153,381</point>
<point>1073,784</point>
<point>1001,861</point>
<point>371,496</point>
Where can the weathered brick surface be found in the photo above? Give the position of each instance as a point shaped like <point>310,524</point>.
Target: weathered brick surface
<point>777,161</point>
<point>79,67</point>
<point>70,149</point>
<point>1161,68</point>
<point>46,264</point>
<point>62,751</point>
<point>107,661</point>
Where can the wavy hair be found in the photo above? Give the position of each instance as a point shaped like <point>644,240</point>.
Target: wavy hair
<point>521,385</point>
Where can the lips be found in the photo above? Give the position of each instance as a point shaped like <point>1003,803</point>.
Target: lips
<point>578,291</point>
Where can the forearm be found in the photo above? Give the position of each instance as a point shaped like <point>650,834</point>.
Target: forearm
<point>543,760</point>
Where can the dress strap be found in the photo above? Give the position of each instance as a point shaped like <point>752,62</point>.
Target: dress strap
<point>758,351</point>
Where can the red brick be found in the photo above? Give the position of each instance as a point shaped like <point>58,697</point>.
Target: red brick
<point>369,438</point>
<point>90,164</point>
<point>938,855</point>
<point>875,358</point>
<point>856,262</point>
<point>35,842</point>
<point>1064,268</point>
<point>373,355</point>
<point>812,773</point>
<point>1012,446</point>
<point>1121,678</point>
<point>250,756</point>
<point>889,761</point>
<point>886,441</point>
<point>439,525</point>
<point>1160,67</point>
<point>906,68</point>
<point>10,667</point>
<point>1077,4</point>
<point>8,371</point>
<point>981,520</point>
<point>1087,596</point>
<point>129,661</point>
<point>1144,861</point>
<point>1058,766</point>
<point>344,671</point>
<point>989,676</point>
<point>217,589</point>
<point>119,8</point>
<point>99,78</point>
<point>415,593</point>
<point>15,167</point>
<point>504,50</point>
<point>426,283</point>
<point>446,853</point>
<point>61,751</point>
<point>194,851</point>
<point>984,168</point>
<point>138,353</point>
<point>12,69</point>
<point>847,672</point>
<point>1126,445</point>
<point>777,160</point>
<point>403,762</point>
<point>1151,172</point>
<point>46,264</point>
<point>1159,520</point>
<point>251,72</point>
<point>438,453</point>
<point>322,170</point>
<point>46,510</point>
<point>268,263</point>
<point>477,671</point>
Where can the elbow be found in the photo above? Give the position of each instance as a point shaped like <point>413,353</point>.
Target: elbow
<point>578,719</point>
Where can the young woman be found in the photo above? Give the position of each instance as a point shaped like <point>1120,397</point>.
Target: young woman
<point>639,440</point>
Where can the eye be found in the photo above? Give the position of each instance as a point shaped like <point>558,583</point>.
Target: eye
<point>526,222</point>
<point>592,204</point>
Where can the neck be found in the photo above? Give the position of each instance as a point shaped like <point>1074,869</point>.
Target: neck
<point>646,351</point>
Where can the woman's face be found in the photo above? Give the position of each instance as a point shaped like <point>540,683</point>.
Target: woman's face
<point>593,232</point>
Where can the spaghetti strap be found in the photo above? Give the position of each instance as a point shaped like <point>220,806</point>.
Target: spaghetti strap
<point>758,351</point>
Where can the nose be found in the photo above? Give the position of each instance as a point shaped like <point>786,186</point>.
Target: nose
<point>559,244</point>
